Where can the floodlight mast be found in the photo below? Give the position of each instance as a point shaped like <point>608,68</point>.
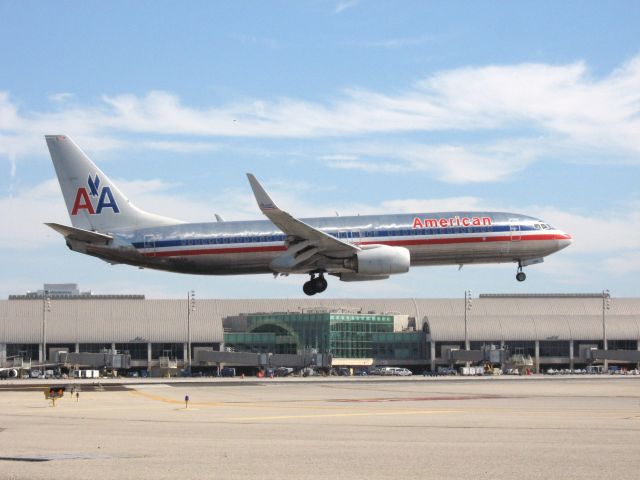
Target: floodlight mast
<point>606,305</point>
<point>467,308</point>
<point>46,307</point>
<point>191,307</point>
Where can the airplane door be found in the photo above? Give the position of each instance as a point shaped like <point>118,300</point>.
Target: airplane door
<point>514,229</point>
<point>150,245</point>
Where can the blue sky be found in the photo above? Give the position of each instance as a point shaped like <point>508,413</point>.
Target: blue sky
<point>337,106</point>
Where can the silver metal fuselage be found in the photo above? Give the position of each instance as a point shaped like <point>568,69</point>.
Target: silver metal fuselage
<point>228,248</point>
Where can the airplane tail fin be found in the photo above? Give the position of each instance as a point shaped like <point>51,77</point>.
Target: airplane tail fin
<point>93,200</point>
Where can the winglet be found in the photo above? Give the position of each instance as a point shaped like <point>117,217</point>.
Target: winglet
<point>262,197</point>
<point>293,227</point>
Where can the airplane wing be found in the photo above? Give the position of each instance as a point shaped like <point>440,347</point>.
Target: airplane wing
<point>81,235</point>
<point>323,242</point>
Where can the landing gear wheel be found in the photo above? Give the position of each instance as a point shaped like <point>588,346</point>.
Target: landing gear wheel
<point>319,284</point>
<point>315,285</point>
<point>521,277</point>
<point>308,289</point>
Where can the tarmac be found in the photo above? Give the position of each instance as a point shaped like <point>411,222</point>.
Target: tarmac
<point>583,427</point>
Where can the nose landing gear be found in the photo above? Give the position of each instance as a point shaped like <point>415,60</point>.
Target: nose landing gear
<point>315,285</point>
<point>520,276</point>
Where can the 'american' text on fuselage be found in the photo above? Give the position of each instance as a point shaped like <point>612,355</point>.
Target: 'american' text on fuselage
<point>451,222</point>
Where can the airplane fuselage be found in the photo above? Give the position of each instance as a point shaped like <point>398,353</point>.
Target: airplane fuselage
<point>228,248</point>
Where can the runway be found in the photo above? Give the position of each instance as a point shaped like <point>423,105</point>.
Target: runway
<point>526,428</point>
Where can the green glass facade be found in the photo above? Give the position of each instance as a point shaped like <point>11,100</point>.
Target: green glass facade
<point>400,346</point>
<point>295,332</point>
<point>343,335</point>
<point>351,336</point>
<point>251,342</point>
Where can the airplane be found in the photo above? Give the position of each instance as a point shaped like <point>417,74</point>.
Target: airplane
<point>12,372</point>
<point>105,224</point>
<point>6,373</point>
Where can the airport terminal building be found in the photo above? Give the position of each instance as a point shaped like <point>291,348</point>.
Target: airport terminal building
<point>417,333</point>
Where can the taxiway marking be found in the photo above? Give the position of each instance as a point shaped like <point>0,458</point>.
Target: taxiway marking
<point>341,415</point>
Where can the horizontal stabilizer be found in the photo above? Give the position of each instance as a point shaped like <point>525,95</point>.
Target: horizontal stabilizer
<point>81,235</point>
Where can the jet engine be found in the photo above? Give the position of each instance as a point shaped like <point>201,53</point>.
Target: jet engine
<point>379,260</point>
<point>9,373</point>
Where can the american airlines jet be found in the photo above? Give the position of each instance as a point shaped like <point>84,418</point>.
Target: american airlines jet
<point>105,224</point>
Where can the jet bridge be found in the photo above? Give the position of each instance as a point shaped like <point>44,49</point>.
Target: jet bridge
<point>630,356</point>
<point>96,360</point>
<point>489,354</point>
<point>204,357</point>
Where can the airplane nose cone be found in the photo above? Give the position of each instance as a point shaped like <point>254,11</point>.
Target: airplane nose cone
<point>564,240</point>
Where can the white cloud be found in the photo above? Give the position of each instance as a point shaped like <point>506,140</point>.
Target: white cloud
<point>626,262</point>
<point>252,40</point>
<point>61,97</point>
<point>9,118</point>
<point>603,242</point>
<point>613,232</point>
<point>395,42</point>
<point>449,163</point>
<point>342,6</point>
<point>563,103</point>
<point>144,187</point>
<point>562,99</point>
<point>24,214</point>
<point>178,147</point>
<point>451,204</point>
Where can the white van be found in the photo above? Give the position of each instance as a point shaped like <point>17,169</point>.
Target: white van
<point>387,371</point>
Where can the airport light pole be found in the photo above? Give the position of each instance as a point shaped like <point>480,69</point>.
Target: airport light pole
<point>191,307</point>
<point>606,305</point>
<point>46,307</point>
<point>467,308</point>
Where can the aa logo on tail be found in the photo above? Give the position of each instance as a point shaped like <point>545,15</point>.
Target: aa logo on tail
<point>84,198</point>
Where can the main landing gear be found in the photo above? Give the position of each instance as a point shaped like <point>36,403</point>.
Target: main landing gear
<point>520,276</point>
<point>315,285</point>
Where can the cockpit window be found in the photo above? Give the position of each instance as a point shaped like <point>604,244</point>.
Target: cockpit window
<point>546,226</point>
<point>537,226</point>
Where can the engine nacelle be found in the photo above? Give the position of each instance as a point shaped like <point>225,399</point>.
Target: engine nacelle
<point>356,277</point>
<point>9,373</point>
<point>380,260</point>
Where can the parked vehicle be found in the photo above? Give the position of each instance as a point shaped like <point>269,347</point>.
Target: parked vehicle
<point>283,371</point>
